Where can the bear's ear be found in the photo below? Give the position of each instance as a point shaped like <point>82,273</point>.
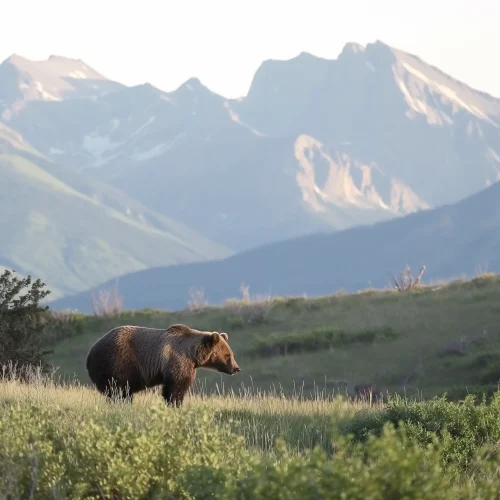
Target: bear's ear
<point>215,338</point>
<point>212,339</point>
<point>224,336</point>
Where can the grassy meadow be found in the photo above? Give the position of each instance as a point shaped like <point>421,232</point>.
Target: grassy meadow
<point>427,341</point>
<point>62,440</point>
<point>284,428</point>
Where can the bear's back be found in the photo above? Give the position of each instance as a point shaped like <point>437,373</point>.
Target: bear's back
<point>142,351</point>
<point>129,341</point>
<point>128,352</point>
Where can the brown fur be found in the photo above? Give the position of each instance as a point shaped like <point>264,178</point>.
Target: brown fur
<point>129,359</point>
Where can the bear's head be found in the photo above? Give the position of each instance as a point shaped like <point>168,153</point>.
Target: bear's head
<point>215,354</point>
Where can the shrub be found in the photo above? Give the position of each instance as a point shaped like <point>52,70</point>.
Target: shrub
<point>55,333</point>
<point>45,454</point>
<point>254,309</point>
<point>61,325</point>
<point>278,344</point>
<point>163,453</point>
<point>197,301</point>
<point>463,428</point>
<point>21,323</point>
<point>107,302</point>
<point>58,445</point>
<point>60,318</point>
<point>406,282</point>
<point>390,466</point>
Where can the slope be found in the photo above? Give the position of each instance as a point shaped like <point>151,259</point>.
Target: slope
<point>443,338</point>
<point>451,241</point>
<point>72,235</point>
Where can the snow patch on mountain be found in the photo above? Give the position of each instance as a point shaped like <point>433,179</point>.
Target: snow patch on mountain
<point>45,95</point>
<point>97,145</point>
<point>157,150</point>
<point>79,75</point>
<point>235,118</point>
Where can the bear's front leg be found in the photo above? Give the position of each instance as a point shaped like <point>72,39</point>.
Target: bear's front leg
<point>173,392</point>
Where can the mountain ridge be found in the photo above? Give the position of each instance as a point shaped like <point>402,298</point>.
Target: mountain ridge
<point>317,145</point>
<point>451,241</point>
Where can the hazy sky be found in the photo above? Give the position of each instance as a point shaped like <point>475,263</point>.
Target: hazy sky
<point>222,42</point>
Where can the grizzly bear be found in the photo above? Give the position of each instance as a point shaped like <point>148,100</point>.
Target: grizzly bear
<point>129,359</point>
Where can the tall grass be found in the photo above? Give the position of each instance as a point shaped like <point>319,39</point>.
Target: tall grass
<point>303,421</point>
<point>61,439</point>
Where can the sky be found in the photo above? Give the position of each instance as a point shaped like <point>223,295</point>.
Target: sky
<point>223,42</point>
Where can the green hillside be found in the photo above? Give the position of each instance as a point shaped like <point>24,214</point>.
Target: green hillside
<point>434,339</point>
<point>73,236</point>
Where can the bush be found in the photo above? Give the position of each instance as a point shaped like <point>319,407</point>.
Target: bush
<point>253,309</point>
<point>107,302</point>
<point>463,428</point>
<point>278,344</point>
<point>21,323</point>
<point>55,455</point>
<point>62,325</point>
<point>48,452</point>
<point>390,466</point>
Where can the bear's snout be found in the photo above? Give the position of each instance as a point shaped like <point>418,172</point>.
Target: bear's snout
<point>236,369</point>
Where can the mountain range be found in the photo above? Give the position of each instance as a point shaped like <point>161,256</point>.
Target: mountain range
<point>104,179</point>
<point>452,241</point>
<point>72,231</point>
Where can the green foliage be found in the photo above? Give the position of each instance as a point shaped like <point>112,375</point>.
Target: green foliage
<point>276,344</point>
<point>54,452</point>
<point>42,451</point>
<point>235,322</point>
<point>64,325</point>
<point>21,327</point>
<point>488,365</point>
<point>463,428</point>
<point>386,467</point>
<point>66,441</point>
<point>491,375</point>
<point>485,359</point>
